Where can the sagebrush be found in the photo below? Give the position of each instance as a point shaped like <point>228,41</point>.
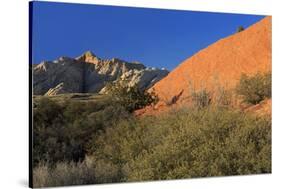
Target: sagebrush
<point>255,88</point>
<point>183,144</point>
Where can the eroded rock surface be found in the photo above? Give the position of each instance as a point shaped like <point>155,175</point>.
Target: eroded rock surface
<point>90,74</point>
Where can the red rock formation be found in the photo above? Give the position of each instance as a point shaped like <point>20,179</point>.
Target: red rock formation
<point>263,108</point>
<point>220,64</point>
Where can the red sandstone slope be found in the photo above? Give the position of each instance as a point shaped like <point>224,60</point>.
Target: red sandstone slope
<point>222,63</point>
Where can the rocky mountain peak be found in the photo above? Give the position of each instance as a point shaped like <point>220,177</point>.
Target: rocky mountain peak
<point>89,54</point>
<point>88,57</point>
<point>88,73</point>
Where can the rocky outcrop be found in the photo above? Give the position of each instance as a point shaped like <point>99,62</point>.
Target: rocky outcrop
<point>59,89</point>
<point>48,75</point>
<point>143,78</point>
<point>90,74</point>
<point>219,65</point>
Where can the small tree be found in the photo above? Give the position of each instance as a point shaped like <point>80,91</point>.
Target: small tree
<point>131,98</point>
<point>240,28</point>
<point>255,88</point>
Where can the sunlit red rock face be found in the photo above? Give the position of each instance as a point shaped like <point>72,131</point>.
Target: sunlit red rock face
<point>220,64</point>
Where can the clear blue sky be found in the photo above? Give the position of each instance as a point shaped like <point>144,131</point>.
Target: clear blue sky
<point>154,37</point>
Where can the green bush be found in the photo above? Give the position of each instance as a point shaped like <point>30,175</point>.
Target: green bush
<point>79,142</point>
<point>255,88</point>
<point>194,143</point>
<point>131,98</point>
<point>185,144</point>
<point>61,132</point>
<point>47,119</point>
<point>240,28</point>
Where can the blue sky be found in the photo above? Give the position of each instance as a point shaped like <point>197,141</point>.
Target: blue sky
<point>154,37</point>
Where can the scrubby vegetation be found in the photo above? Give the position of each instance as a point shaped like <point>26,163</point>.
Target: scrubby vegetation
<point>240,28</point>
<point>61,131</point>
<point>131,98</point>
<point>201,98</point>
<point>255,88</point>
<point>189,143</point>
<point>185,144</point>
<point>85,142</point>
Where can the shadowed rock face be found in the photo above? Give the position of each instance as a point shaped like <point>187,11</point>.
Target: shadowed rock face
<point>64,71</point>
<point>88,73</point>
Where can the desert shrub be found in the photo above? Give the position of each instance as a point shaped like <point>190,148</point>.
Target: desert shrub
<point>190,143</point>
<point>47,112</point>
<point>74,110</point>
<point>131,98</point>
<point>240,28</point>
<point>61,132</point>
<point>223,97</point>
<point>254,88</point>
<point>47,119</point>
<point>201,98</point>
<point>105,144</point>
<point>89,171</point>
